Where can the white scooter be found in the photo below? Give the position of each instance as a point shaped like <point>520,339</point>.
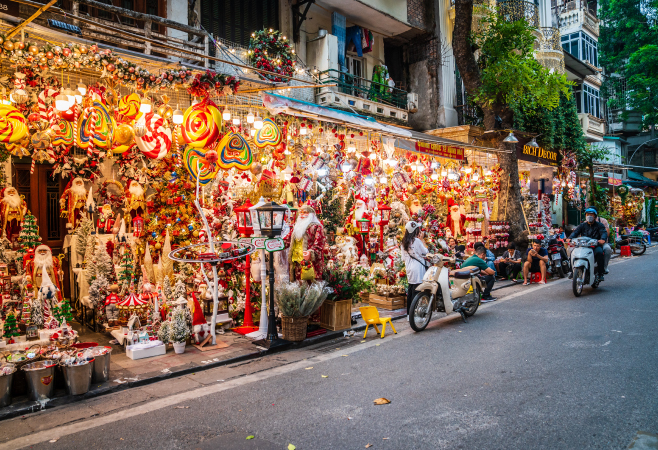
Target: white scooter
<point>435,294</point>
<point>583,264</point>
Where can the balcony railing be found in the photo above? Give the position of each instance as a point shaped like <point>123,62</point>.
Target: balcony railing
<point>360,87</point>
<point>513,10</point>
<point>549,49</point>
<point>577,12</point>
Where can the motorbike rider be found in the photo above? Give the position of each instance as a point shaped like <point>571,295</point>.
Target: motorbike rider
<point>594,230</point>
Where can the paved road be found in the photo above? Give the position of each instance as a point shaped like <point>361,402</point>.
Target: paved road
<point>537,369</point>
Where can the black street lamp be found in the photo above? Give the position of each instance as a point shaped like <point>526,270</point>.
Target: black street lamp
<point>271,220</point>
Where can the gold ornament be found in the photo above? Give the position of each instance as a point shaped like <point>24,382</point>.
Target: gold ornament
<point>256,168</point>
<point>8,45</point>
<point>165,112</point>
<point>124,134</point>
<point>40,140</point>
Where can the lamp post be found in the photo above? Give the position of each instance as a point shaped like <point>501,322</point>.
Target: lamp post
<point>384,216</point>
<point>246,229</point>
<point>271,221</point>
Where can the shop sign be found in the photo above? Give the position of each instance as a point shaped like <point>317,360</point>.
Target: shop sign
<point>480,197</point>
<point>537,155</point>
<point>274,245</point>
<point>259,242</point>
<point>614,181</point>
<point>9,7</point>
<point>441,150</point>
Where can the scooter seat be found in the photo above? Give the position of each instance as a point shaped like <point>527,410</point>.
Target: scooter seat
<point>466,273</point>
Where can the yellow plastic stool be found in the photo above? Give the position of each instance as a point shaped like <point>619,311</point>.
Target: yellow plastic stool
<point>370,316</point>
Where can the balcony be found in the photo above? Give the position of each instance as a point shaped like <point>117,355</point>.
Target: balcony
<point>481,8</point>
<point>513,10</point>
<point>593,127</point>
<point>348,92</point>
<point>574,14</point>
<point>549,51</point>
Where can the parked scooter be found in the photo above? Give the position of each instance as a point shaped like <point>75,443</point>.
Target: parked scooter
<point>583,264</point>
<point>559,261</point>
<point>435,294</point>
<point>636,243</point>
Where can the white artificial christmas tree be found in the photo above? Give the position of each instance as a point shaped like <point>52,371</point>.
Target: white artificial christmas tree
<point>179,328</point>
<point>180,291</point>
<point>166,289</point>
<point>98,290</point>
<point>36,313</point>
<point>82,234</point>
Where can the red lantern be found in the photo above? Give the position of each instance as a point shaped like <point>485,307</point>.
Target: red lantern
<point>243,214</point>
<point>363,226</point>
<point>138,226</point>
<point>384,216</point>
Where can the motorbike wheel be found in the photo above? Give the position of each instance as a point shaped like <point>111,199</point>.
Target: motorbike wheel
<point>420,311</point>
<point>477,296</point>
<point>638,249</point>
<point>578,281</point>
<point>560,270</point>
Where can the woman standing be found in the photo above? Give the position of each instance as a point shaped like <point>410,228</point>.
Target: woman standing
<point>413,253</point>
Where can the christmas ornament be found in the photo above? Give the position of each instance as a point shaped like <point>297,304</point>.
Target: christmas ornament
<point>270,134</point>
<point>13,126</point>
<point>62,133</point>
<point>124,135</point>
<point>156,141</point>
<point>197,165</point>
<point>201,124</point>
<point>234,151</point>
<point>129,107</point>
<point>102,127</point>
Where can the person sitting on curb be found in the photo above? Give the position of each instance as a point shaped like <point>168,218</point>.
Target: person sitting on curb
<point>536,260</point>
<point>477,260</point>
<point>510,263</point>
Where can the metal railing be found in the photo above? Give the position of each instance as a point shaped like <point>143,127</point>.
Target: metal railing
<point>513,10</point>
<point>549,49</point>
<point>362,88</point>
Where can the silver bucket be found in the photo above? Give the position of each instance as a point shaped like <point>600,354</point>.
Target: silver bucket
<point>5,386</point>
<point>78,378</point>
<point>40,379</point>
<point>101,371</point>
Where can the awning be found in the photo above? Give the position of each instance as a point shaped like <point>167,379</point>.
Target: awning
<point>640,184</point>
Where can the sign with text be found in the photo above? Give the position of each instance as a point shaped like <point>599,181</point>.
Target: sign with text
<point>614,181</point>
<point>537,155</point>
<point>441,150</point>
<point>259,242</point>
<point>9,7</point>
<point>274,245</point>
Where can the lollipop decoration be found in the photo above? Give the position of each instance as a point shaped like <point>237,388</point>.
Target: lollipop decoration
<point>62,133</point>
<point>13,126</point>
<point>234,151</point>
<point>206,170</point>
<point>96,122</point>
<point>129,107</point>
<point>157,140</point>
<point>270,134</point>
<point>201,124</point>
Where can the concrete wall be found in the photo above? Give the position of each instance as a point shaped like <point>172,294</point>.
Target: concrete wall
<point>394,8</point>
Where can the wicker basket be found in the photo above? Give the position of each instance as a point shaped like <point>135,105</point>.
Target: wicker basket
<point>294,328</point>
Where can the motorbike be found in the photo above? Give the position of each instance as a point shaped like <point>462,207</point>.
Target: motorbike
<point>636,243</point>
<point>583,264</point>
<point>435,293</point>
<point>559,261</point>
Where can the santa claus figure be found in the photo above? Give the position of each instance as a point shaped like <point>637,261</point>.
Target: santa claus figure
<point>42,260</point>
<point>306,242</point>
<point>414,206</point>
<point>392,252</point>
<point>135,203</point>
<point>200,327</point>
<point>73,202</point>
<point>456,220</point>
<point>105,220</point>
<point>111,301</point>
<point>12,211</point>
<point>360,211</point>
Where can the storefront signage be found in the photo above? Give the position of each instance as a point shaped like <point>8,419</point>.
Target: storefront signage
<point>9,7</point>
<point>274,245</point>
<point>537,155</point>
<point>614,181</point>
<point>443,151</point>
<point>259,242</point>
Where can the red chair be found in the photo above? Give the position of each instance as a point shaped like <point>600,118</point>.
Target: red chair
<point>625,250</point>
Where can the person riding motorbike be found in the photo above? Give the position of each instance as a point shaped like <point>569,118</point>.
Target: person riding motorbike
<point>607,250</point>
<point>594,230</point>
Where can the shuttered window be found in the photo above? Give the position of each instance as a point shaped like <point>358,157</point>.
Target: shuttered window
<point>235,20</point>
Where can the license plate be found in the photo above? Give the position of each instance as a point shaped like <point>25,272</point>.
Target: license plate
<point>557,257</point>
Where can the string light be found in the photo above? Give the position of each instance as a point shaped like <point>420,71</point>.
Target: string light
<point>82,88</point>
<point>236,121</point>
<point>146,105</point>
<point>258,122</point>
<point>226,114</point>
<point>250,117</point>
<point>178,116</point>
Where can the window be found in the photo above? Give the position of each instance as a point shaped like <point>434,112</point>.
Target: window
<point>582,46</point>
<point>152,9</point>
<point>591,101</point>
<point>128,4</point>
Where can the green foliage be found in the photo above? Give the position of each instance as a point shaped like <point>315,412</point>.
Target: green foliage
<point>164,332</point>
<point>332,215</point>
<point>642,81</point>
<point>509,72</point>
<point>10,327</point>
<point>179,329</point>
<point>348,283</point>
<point>63,311</point>
<point>300,299</point>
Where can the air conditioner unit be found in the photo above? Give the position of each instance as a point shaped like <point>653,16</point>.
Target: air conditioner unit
<point>412,102</point>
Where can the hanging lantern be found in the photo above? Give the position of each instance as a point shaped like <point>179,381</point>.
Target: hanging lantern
<point>363,226</point>
<point>243,213</point>
<point>138,226</point>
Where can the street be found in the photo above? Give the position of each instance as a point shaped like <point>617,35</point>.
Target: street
<point>538,369</point>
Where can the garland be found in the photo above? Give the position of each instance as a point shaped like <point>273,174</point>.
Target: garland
<point>73,56</point>
<point>116,201</point>
<point>269,50</point>
<point>222,84</point>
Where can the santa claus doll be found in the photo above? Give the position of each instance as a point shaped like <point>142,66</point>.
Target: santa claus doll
<point>455,220</point>
<point>73,201</point>
<point>12,211</point>
<point>42,259</point>
<point>135,202</point>
<point>360,211</point>
<point>306,242</point>
<point>200,327</point>
<point>105,221</point>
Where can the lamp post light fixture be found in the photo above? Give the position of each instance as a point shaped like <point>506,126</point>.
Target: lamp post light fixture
<point>246,229</point>
<point>511,139</point>
<point>384,216</point>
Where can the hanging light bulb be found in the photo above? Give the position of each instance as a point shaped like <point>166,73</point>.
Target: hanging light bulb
<point>564,183</point>
<point>195,101</point>
<point>487,173</point>
<point>146,105</point>
<point>434,164</point>
<point>468,169</point>
<point>444,172</point>
<point>82,88</point>
<point>178,116</point>
<point>511,139</point>
<point>250,117</point>
<point>322,172</point>
<point>435,175</point>
<point>78,98</point>
<point>70,95</point>
<point>373,156</point>
<point>286,151</point>
<point>236,120</point>
<point>533,143</point>
<point>351,148</point>
<point>302,131</point>
<point>258,122</point>
<point>252,132</point>
<point>62,102</point>
<point>226,114</point>
<point>475,176</point>
<point>383,179</point>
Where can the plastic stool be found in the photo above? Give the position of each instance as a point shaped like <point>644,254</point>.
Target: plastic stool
<point>625,250</point>
<point>535,277</point>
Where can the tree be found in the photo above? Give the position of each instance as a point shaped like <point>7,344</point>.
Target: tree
<point>166,289</point>
<point>36,316</point>
<point>26,315</point>
<point>98,290</point>
<point>10,327</point>
<point>82,234</point>
<point>29,237</point>
<point>63,311</point>
<point>180,291</point>
<point>332,214</point>
<point>179,329</point>
<point>126,263</point>
<point>504,77</point>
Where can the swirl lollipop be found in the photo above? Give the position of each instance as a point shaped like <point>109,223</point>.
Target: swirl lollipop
<point>234,151</point>
<point>13,126</point>
<point>156,142</point>
<point>129,107</point>
<point>205,171</point>
<point>62,133</point>
<point>103,129</point>
<point>270,134</point>
<point>201,124</point>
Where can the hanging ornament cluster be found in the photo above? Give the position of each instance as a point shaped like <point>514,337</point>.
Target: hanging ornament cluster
<point>270,50</point>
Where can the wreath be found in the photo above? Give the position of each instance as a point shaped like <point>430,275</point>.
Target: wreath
<point>203,84</point>
<point>105,197</point>
<point>269,50</point>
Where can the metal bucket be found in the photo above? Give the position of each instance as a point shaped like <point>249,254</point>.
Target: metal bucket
<point>78,378</point>
<point>40,376</point>
<point>101,372</point>
<point>5,385</point>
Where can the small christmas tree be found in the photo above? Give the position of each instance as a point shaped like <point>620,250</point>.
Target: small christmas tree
<point>180,291</point>
<point>179,329</point>
<point>63,312</point>
<point>166,290</point>
<point>82,234</point>
<point>26,315</point>
<point>98,291</point>
<point>36,316</point>
<point>10,328</point>
<point>164,333</point>
<point>90,248</point>
<point>126,263</point>
<point>149,323</point>
<point>332,214</point>
<point>29,236</point>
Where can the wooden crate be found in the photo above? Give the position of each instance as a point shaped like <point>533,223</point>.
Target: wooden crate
<point>336,315</point>
<point>390,303</point>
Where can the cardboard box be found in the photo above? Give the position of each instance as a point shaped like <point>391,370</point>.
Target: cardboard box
<point>146,353</point>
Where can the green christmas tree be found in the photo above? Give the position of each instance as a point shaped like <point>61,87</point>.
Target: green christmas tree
<point>63,311</point>
<point>332,215</point>
<point>126,263</point>
<point>29,236</point>
<point>10,327</point>
<point>26,314</point>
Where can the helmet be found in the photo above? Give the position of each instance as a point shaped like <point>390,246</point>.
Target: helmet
<point>592,211</point>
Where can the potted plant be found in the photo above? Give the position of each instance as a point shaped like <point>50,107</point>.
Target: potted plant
<point>297,301</point>
<point>164,332</point>
<point>179,330</point>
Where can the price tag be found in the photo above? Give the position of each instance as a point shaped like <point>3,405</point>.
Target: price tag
<point>274,245</point>
<point>259,242</point>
